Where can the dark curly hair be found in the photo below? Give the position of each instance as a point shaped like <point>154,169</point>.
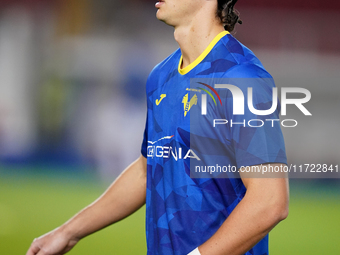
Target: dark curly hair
<point>228,15</point>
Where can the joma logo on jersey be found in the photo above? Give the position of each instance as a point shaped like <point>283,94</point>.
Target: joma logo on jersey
<point>169,151</point>
<point>158,101</point>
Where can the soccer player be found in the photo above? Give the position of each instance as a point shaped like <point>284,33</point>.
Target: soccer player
<point>208,216</point>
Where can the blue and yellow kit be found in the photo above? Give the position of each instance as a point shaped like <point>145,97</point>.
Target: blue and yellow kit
<point>191,124</point>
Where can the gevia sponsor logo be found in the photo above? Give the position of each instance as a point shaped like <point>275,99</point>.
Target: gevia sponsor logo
<point>176,153</point>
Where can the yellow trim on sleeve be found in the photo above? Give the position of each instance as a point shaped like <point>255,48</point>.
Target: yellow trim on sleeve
<point>198,60</point>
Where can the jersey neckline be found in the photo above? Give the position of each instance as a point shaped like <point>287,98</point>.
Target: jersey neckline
<point>198,60</point>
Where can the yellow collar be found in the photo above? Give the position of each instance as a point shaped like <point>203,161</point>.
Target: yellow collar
<point>198,60</point>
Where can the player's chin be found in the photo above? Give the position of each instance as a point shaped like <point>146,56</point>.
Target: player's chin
<point>160,16</point>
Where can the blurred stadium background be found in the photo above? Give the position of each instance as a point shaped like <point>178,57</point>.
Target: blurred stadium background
<point>72,111</point>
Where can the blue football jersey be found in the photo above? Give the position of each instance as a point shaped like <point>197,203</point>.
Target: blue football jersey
<point>192,123</point>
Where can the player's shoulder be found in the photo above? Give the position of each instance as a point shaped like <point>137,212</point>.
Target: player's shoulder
<point>163,70</point>
<point>247,64</point>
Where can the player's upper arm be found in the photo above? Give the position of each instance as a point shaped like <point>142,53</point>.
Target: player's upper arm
<point>271,193</point>
<point>143,160</point>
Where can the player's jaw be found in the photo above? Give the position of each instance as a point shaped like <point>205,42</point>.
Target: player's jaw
<point>162,11</point>
<point>177,12</point>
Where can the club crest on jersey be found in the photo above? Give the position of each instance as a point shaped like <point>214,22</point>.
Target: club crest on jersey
<point>188,104</point>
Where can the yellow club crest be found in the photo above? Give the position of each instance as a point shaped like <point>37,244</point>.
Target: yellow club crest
<point>188,104</point>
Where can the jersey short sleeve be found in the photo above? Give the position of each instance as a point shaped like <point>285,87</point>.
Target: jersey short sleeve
<point>145,139</point>
<point>256,135</point>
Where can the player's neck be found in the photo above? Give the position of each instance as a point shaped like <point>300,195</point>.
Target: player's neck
<point>194,38</point>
